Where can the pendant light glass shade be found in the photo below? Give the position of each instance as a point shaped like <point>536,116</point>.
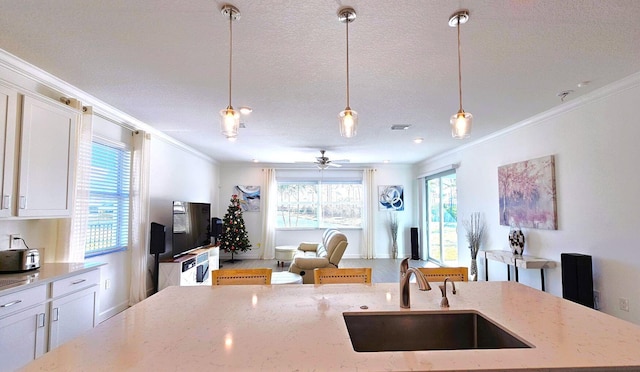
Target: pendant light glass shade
<point>460,121</point>
<point>348,123</point>
<point>230,118</point>
<point>348,118</point>
<point>461,124</point>
<point>230,122</point>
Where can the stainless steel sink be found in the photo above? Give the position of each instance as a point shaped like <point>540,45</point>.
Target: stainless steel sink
<point>437,330</point>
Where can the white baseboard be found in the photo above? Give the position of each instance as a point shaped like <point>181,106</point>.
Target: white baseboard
<point>112,311</point>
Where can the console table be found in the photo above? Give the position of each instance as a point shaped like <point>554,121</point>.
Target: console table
<point>517,261</point>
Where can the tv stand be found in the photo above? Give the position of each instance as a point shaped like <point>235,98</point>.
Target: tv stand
<point>191,269</point>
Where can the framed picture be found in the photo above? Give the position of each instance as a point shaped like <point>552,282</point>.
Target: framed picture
<point>391,198</point>
<point>249,198</point>
<point>527,192</point>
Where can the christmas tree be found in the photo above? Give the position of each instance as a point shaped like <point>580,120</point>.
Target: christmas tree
<point>234,236</point>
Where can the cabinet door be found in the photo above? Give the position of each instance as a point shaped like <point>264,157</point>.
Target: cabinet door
<point>22,338</point>
<point>72,315</point>
<point>8,124</point>
<point>47,157</point>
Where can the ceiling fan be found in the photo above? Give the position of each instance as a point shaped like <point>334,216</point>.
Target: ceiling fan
<point>323,162</point>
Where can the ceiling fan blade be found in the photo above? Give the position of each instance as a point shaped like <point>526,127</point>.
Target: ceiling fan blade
<point>332,164</point>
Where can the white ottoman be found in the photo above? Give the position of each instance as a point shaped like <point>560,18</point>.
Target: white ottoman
<point>285,277</point>
<point>285,253</point>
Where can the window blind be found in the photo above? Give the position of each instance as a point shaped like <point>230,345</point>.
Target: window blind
<point>109,186</point>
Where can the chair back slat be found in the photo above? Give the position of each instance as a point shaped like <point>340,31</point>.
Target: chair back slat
<point>241,276</point>
<point>342,275</point>
<point>437,274</point>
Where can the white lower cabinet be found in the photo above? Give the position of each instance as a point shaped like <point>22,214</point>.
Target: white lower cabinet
<point>71,316</point>
<point>22,337</point>
<point>38,319</point>
<point>72,310</point>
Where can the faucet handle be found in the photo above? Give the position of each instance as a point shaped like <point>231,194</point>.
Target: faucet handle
<point>404,266</point>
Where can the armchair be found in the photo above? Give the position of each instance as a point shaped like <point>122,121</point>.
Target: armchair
<point>310,256</point>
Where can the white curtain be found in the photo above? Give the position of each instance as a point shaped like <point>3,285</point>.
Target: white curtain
<point>269,197</point>
<point>369,221</point>
<point>139,217</point>
<point>72,232</point>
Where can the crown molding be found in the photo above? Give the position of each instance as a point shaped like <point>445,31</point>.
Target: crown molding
<point>34,73</point>
<point>629,82</point>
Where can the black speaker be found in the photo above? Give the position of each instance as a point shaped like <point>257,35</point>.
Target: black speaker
<point>157,243</point>
<point>577,278</point>
<point>216,228</point>
<point>415,255</point>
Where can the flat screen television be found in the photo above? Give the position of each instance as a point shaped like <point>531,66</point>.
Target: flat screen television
<point>191,226</point>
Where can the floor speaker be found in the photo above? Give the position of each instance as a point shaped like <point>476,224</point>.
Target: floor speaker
<point>157,243</point>
<point>577,278</point>
<point>415,254</point>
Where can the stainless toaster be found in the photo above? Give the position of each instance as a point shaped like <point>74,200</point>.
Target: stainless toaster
<point>17,260</point>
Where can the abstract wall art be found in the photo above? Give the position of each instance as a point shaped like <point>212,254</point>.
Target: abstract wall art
<point>391,198</point>
<point>249,198</point>
<point>527,192</point>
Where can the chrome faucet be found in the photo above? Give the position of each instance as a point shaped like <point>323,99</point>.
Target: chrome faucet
<point>444,302</point>
<point>405,274</point>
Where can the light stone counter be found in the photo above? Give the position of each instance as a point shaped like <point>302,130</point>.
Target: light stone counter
<point>300,327</point>
<point>47,273</point>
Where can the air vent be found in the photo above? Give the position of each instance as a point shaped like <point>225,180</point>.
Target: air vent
<point>400,127</point>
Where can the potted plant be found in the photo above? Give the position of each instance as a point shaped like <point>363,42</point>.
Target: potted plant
<point>475,228</point>
<point>393,232</point>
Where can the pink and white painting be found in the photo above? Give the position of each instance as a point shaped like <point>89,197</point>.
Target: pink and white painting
<point>527,193</point>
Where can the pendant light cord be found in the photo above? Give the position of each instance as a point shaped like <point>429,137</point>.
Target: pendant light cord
<point>459,68</point>
<point>347,22</point>
<point>230,50</point>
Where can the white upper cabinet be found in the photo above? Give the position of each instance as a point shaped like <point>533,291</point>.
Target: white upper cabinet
<point>47,158</point>
<point>8,125</point>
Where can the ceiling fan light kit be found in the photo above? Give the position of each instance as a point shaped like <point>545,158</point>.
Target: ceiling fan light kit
<point>348,118</point>
<point>461,121</point>
<point>230,118</point>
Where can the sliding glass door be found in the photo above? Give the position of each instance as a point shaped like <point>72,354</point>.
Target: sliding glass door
<point>442,218</point>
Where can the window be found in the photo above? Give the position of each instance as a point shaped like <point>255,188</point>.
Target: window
<point>442,218</point>
<point>316,204</point>
<point>108,220</point>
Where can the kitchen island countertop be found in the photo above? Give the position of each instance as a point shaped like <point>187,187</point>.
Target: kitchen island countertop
<point>301,327</point>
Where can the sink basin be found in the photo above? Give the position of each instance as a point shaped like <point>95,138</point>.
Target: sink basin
<point>432,330</point>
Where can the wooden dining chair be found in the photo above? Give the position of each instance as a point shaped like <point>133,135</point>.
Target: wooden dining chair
<point>241,276</point>
<point>330,275</point>
<point>437,274</point>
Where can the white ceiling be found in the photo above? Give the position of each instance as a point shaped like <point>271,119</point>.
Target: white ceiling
<point>165,62</point>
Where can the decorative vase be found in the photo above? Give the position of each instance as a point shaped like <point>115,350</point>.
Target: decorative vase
<point>516,241</point>
<point>394,250</point>
<point>473,270</point>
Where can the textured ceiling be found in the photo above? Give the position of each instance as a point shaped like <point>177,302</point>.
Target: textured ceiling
<point>165,62</point>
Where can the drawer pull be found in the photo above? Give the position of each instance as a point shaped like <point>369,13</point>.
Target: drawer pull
<point>78,281</point>
<point>23,202</point>
<point>6,202</point>
<point>11,303</point>
<point>54,317</point>
<point>40,320</point>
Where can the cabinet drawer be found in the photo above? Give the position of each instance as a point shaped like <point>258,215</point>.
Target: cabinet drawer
<point>75,283</point>
<point>16,301</point>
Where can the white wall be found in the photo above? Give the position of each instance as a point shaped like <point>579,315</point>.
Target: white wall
<point>595,143</point>
<point>178,174</point>
<point>232,175</point>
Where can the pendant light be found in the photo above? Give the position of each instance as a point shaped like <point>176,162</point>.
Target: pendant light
<point>230,118</point>
<point>348,118</point>
<point>461,121</point>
